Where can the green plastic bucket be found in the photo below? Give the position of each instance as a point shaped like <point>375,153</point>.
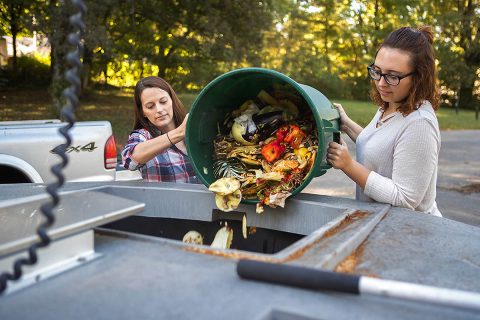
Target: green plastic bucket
<point>230,90</point>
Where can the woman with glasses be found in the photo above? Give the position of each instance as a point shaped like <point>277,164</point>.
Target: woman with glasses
<point>397,152</point>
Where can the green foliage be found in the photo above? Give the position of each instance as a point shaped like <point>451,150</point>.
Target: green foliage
<point>323,43</point>
<point>31,73</point>
<point>357,88</point>
<point>458,48</point>
<point>184,42</point>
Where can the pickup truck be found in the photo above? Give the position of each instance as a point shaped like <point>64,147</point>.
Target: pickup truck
<point>26,154</point>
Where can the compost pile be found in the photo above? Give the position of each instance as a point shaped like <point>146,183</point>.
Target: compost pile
<point>264,150</point>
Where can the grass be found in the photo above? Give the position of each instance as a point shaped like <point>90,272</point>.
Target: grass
<point>362,112</point>
<point>116,106</point>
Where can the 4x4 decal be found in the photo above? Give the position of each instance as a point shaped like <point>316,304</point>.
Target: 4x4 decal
<point>88,147</point>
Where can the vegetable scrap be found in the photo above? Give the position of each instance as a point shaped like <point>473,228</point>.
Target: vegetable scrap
<point>264,150</point>
<point>223,238</point>
<point>193,237</point>
<point>227,193</point>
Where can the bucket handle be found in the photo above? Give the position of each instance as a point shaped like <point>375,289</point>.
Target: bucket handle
<point>336,136</point>
<point>324,166</point>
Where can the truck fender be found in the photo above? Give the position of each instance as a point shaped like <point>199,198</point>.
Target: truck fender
<point>22,166</point>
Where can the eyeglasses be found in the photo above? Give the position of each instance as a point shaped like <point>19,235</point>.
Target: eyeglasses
<point>391,79</point>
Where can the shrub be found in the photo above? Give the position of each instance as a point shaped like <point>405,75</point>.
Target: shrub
<point>31,73</point>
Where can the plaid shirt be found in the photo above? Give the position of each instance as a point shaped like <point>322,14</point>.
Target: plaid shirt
<point>171,165</point>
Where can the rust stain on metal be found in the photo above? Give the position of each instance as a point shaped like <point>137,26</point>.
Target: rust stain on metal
<point>350,263</point>
<point>231,254</point>
<point>357,215</point>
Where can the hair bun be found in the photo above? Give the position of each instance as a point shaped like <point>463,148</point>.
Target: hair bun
<point>427,31</point>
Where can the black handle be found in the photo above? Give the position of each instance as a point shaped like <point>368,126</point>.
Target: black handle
<point>336,137</point>
<point>298,276</point>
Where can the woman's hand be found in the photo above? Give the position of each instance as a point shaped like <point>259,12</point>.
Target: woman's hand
<point>347,125</point>
<point>182,128</point>
<point>338,155</point>
<point>178,134</point>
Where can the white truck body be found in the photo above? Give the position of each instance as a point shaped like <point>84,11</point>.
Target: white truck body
<point>26,151</point>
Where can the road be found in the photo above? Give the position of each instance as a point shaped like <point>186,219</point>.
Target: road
<point>458,184</point>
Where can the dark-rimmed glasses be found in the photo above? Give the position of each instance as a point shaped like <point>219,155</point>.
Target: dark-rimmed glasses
<point>391,79</point>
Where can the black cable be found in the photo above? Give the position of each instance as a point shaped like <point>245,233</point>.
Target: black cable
<point>72,75</point>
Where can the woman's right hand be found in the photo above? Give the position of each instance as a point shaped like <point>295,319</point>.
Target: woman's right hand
<point>338,155</point>
<point>182,127</point>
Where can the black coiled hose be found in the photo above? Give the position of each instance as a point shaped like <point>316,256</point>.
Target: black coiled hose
<point>72,75</point>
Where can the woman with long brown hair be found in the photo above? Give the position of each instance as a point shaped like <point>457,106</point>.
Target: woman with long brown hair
<point>156,145</point>
<point>397,152</point>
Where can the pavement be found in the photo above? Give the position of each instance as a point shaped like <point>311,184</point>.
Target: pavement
<point>458,183</point>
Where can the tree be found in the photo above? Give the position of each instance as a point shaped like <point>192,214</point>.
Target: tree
<point>180,37</point>
<point>98,45</point>
<point>52,19</point>
<point>13,12</point>
<point>324,43</point>
<point>459,47</point>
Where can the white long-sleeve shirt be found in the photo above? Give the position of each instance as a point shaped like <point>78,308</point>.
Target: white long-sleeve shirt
<point>402,154</point>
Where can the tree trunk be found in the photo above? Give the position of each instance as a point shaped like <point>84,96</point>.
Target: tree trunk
<point>325,41</point>
<point>60,28</point>
<point>105,74</point>
<point>87,65</point>
<point>376,40</point>
<point>52,58</point>
<point>14,45</point>
<point>50,33</point>
<point>14,30</point>
<point>471,56</point>
<point>465,94</point>
<point>142,68</point>
<point>161,71</point>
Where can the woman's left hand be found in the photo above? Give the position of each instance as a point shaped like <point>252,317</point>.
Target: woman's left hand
<point>338,155</point>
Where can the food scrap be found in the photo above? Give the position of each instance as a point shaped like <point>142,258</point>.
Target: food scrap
<point>244,226</point>
<point>193,237</point>
<point>223,238</point>
<point>264,150</point>
<point>227,193</point>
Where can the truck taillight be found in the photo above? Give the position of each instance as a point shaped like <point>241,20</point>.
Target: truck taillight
<point>110,154</point>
